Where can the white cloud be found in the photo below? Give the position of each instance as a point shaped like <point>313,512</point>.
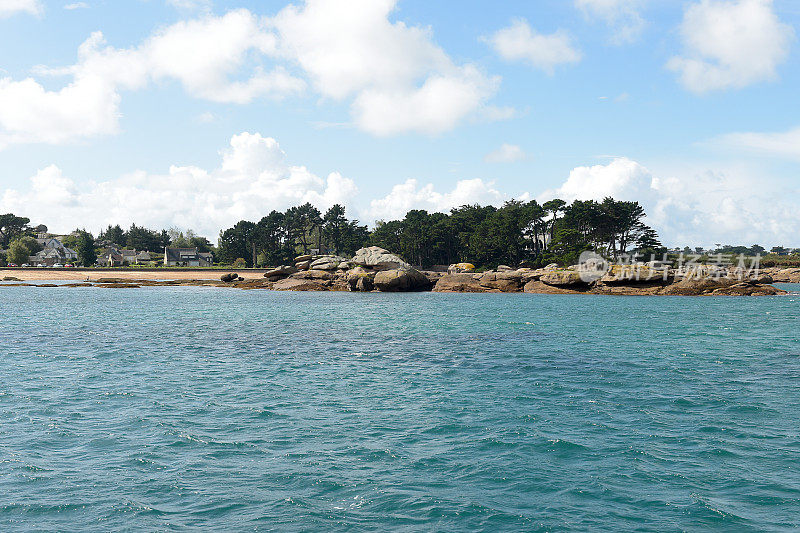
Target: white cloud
<point>518,42</point>
<point>433,108</point>
<point>207,55</point>
<point>781,144</point>
<point>507,153</point>
<point>252,179</point>
<point>695,205</point>
<point>623,16</point>
<point>397,78</point>
<point>76,5</point>
<point>401,81</point>
<point>409,195</point>
<point>12,7</point>
<point>730,44</point>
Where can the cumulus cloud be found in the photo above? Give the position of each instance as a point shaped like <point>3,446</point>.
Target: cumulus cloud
<point>400,80</point>
<point>781,144</point>
<point>409,195</point>
<point>507,153</point>
<point>252,179</point>
<point>396,78</point>
<point>12,7</point>
<point>204,54</point>
<point>730,44</point>
<point>697,206</point>
<point>623,16</point>
<point>518,42</point>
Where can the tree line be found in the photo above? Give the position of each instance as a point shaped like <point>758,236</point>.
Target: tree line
<point>516,233</point>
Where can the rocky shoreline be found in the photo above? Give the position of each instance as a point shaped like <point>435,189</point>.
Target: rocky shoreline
<point>376,269</point>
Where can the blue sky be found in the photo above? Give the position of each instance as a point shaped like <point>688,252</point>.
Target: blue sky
<point>195,114</point>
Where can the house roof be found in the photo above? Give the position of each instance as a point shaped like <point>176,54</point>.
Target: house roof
<point>181,254</point>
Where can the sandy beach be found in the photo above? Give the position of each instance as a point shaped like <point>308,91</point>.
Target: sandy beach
<point>92,275</point>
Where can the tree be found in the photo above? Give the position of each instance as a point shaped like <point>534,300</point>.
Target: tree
<point>21,249</point>
<point>140,238</point>
<point>114,235</point>
<point>12,227</point>
<point>334,227</point>
<point>85,248</point>
<point>303,222</point>
<point>238,243</point>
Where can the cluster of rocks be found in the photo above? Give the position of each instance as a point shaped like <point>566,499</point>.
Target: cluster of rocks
<point>783,275</point>
<point>615,280</point>
<point>376,269</point>
<point>371,268</point>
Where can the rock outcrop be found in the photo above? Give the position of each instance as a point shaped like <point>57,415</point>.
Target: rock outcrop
<point>404,279</point>
<point>290,284</point>
<point>327,262</point>
<point>378,259</point>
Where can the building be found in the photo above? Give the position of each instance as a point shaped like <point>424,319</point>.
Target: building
<point>110,257</point>
<point>53,252</point>
<point>186,257</point>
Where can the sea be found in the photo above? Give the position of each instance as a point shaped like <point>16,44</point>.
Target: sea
<point>216,409</point>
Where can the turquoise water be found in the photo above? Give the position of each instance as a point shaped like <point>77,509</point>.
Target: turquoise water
<point>161,409</point>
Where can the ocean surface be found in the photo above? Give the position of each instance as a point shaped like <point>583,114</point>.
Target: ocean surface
<point>185,408</point>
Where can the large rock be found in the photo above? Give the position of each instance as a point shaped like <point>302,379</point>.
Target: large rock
<point>327,262</point>
<point>505,281</point>
<point>378,259</point>
<point>401,280</point>
<point>460,283</point>
<point>634,274</point>
<point>697,286</point>
<point>227,278</point>
<point>281,271</point>
<point>313,274</point>
<point>302,258</point>
<point>303,265</point>
<point>562,278</point>
<point>291,284</point>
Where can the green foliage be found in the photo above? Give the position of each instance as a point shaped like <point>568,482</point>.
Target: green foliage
<point>114,235</point>
<point>239,263</point>
<point>21,249</point>
<point>12,227</point>
<point>84,246</point>
<point>279,237</point>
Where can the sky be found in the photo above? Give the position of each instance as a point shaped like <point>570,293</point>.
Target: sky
<point>198,113</point>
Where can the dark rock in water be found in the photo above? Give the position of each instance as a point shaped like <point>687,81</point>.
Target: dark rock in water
<point>11,278</point>
<point>227,278</point>
<point>112,280</point>
<point>110,286</point>
<point>402,279</point>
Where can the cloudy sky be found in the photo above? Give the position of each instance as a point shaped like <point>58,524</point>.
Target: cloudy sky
<point>198,113</point>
